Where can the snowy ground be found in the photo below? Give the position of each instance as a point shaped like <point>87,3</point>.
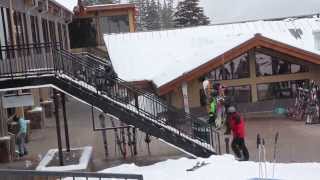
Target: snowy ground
<point>220,168</point>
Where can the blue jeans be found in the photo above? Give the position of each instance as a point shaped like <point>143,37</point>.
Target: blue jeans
<point>22,144</point>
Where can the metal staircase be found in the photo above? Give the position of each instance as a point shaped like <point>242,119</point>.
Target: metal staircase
<point>36,65</point>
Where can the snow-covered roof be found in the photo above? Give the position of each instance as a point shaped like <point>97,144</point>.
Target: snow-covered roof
<point>69,4</point>
<point>162,56</point>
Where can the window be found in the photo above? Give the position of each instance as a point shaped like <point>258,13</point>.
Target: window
<point>45,31</point>
<point>35,32</point>
<point>52,30</point>
<point>60,34</point>
<point>239,94</point>
<point>82,26</point>
<point>6,37</point>
<point>64,27</point>
<point>279,90</point>
<point>267,65</point>
<point>114,24</point>
<point>236,69</point>
<point>21,32</point>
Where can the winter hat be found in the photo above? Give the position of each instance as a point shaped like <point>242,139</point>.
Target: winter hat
<point>231,109</point>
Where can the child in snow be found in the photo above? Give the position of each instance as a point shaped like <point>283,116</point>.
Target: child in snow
<point>237,126</point>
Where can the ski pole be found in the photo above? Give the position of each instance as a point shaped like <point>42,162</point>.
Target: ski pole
<point>274,152</point>
<point>259,154</point>
<point>264,158</point>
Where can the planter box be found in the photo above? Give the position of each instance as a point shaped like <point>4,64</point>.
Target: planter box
<point>79,159</point>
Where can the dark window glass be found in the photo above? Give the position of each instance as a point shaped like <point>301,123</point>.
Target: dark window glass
<point>278,90</point>
<point>35,32</point>
<point>60,34</point>
<point>9,27</point>
<point>52,29</point>
<point>203,97</point>
<point>65,36</point>
<point>6,35</point>
<point>25,28</point>
<point>113,24</point>
<point>45,30</point>
<point>83,33</point>
<point>267,65</point>
<point>239,94</point>
<point>235,69</point>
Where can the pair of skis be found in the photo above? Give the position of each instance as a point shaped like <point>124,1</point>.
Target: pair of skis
<point>262,156</point>
<point>198,165</point>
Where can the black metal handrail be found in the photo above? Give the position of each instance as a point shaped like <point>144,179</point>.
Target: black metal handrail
<point>93,75</point>
<point>24,174</point>
<point>142,102</point>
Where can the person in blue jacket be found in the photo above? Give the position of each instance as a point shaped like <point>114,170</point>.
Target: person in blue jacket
<point>21,137</point>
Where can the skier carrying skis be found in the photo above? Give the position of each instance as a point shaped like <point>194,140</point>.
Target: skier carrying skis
<point>237,126</point>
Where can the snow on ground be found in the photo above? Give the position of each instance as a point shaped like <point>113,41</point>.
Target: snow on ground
<point>220,168</point>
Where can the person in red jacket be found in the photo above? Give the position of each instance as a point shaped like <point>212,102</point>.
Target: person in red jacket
<point>237,126</point>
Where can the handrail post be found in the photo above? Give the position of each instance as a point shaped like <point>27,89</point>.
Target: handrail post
<point>136,101</point>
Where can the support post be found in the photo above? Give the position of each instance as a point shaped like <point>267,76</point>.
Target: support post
<point>185,97</point>
<point>104,134</point>
<point>56,112</point>
<point>66,128</point>
<point>252,66</point>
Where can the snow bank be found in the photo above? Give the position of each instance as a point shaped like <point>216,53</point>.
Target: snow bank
<point>220,168</point>
<point>162,56</point>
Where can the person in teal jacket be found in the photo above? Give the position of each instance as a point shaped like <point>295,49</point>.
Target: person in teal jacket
<point>21,137</point>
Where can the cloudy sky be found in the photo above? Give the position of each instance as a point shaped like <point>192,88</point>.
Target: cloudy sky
<point>221,11</point>
<point>239,10</point>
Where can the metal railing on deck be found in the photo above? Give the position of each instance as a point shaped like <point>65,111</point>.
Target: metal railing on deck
<point>26,59</point>
<point>47,58</point>
<point>8,174</point>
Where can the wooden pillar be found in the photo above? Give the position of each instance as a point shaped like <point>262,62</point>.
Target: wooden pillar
<point>185,97</point>
<point>253,82</point>
<point>131,21</point>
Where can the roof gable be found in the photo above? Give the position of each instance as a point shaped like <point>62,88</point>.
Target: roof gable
<point>257,41</point>
<point>165,56</point>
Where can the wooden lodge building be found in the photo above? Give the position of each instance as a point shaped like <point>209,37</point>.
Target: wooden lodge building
<point>96,20</point>
<point>262,63</point>
<point>27,26</point>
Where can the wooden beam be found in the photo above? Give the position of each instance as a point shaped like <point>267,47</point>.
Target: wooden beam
<point>185,97</point>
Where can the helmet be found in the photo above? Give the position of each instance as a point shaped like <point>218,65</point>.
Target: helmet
<point>231,109</point>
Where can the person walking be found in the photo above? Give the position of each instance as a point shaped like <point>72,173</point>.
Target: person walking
<point>237,126</point>
<point>21,137</point>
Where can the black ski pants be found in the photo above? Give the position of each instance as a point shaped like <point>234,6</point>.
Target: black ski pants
<point>239,145</point>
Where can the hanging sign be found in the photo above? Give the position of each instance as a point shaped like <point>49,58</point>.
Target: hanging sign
<point>17,101</point>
